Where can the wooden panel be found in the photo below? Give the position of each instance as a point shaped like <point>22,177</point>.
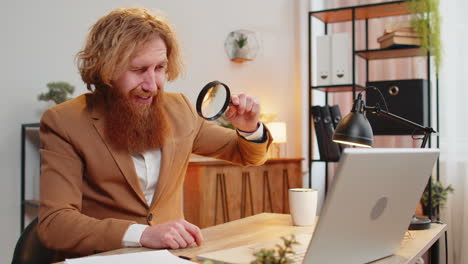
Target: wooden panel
<point>203,200</point>
<point>338,88</point>
<point>395,8</point>
<point>390,53</point>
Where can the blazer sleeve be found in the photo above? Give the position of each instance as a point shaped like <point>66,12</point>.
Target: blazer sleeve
<point>61,225</point>
<point>218,142</point>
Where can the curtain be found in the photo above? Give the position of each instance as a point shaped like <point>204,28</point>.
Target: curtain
<point>454,124</point>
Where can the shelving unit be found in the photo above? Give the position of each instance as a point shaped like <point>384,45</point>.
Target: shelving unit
<point>364,13</point>
<point>29,156</point>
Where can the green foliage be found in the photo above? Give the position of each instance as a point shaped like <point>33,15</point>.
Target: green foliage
<point>438,196</point>
<point>241,41</point>
<point>276,255</point>
<point>426,22</point>
<point>58,92</point>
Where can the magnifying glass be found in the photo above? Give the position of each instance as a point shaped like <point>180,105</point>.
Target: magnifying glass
<point>213,100</point>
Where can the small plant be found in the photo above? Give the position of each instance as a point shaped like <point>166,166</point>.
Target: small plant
<point>241,41</point>
<point>438,196</point>
<point>278,255</point>
<point>58,92</point>
<point>426,22</point>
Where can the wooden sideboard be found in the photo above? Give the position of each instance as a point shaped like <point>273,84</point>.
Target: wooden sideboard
<point>216,192</point>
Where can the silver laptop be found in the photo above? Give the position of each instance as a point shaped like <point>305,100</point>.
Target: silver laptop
<point>367,212</point>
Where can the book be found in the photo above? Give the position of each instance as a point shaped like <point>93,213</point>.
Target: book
<point>398,34</point>
<point>316,115</point>
<point>399,39</point>
<point>401,25</point>
<point>332,151</point>
<point>335,114</point>
<point>336,117</point>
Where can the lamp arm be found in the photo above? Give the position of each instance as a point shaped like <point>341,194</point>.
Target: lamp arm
<point>376,110</point>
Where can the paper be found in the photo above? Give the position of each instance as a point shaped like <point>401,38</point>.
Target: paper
<point>147,257</point>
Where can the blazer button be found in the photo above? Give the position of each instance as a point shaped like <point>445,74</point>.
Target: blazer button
<point>150,217</point>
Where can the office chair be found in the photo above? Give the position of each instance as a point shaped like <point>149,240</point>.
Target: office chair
<point>29,249</point>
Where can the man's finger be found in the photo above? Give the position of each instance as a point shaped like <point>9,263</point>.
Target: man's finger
<point>255,109</point>
<point>231,112</point>
<point>241,106</point>
<point>185,234</point>
<point>179,239</point>
<point>195,231</point>
<point>172,243</point>
<point>234,99</point>
<point>248,104</point>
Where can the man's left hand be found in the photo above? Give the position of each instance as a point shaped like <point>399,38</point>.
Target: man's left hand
<point>244,112</point>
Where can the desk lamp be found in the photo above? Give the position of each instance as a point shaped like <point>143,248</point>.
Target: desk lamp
<point>278,132</point>
<point>355,130</point>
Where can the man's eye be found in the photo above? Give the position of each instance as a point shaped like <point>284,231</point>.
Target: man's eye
<point>161,67</point>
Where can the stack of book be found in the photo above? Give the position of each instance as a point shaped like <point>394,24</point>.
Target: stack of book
<point>399,37</point>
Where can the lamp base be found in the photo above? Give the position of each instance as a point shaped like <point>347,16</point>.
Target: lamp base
<point>420,223</point>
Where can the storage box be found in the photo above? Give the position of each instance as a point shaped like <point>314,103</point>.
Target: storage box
<point>405,98</point>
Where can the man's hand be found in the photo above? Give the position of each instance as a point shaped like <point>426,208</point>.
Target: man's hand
<point>174,235</point>
<point>244,112</point>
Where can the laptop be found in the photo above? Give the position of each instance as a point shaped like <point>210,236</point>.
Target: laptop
<point>368,210</point>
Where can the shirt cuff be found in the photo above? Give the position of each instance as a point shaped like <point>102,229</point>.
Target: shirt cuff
<point>254,136</point>
<point>133,235</point>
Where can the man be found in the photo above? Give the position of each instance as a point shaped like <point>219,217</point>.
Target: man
<point>114,160</point>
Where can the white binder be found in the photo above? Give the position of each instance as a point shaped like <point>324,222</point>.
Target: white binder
<point>323,72</point>
<point>341,59</point>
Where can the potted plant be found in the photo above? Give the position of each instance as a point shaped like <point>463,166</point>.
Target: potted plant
<point>58,92</point>
<point>241,50</point>
<point>277,255</point>
<point>438,197</point>
<point>426,22</point>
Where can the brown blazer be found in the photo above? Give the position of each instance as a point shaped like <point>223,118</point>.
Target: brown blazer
<point>90,192</point>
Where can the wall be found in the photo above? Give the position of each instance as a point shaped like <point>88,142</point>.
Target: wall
<point>40,39</point>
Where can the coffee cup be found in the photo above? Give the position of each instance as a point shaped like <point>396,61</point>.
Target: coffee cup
<point>303,206</point>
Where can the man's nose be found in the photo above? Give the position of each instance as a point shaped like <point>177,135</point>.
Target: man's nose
<point>149,81</point>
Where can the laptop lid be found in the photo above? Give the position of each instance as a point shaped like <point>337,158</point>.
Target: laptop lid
<point>370,205</point>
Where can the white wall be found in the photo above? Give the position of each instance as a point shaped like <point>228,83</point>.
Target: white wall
<point>39,40</point>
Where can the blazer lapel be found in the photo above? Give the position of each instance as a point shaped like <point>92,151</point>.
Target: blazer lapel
<point>122,158</point>
<point>167,158</point>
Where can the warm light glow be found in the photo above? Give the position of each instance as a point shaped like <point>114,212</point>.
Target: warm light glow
<point>278,131</point>
<point>352,143</point>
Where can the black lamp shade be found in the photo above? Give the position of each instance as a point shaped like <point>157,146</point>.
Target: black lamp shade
<point>355,130</point>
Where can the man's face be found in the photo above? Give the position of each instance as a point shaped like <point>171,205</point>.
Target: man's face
<point>135,117</point>
<point>145,75</point>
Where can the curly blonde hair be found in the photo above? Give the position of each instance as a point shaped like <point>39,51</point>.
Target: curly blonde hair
<point>113,40</point>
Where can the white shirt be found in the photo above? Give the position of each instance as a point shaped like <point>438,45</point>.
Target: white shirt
<point>147,167</point>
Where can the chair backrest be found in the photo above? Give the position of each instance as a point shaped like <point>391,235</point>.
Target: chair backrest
<point>29,248</point>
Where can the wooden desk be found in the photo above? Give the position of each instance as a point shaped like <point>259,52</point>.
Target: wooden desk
<point>267,226</point>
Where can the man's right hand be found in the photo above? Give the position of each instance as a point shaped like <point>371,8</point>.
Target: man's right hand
<point>175,234</point>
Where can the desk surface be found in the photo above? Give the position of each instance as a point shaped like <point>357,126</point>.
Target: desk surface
<point>267,226</point>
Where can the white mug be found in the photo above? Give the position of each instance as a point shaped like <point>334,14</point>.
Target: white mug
<point>303,206</point>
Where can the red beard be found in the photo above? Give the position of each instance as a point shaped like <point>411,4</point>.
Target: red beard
<point>135,127</point>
